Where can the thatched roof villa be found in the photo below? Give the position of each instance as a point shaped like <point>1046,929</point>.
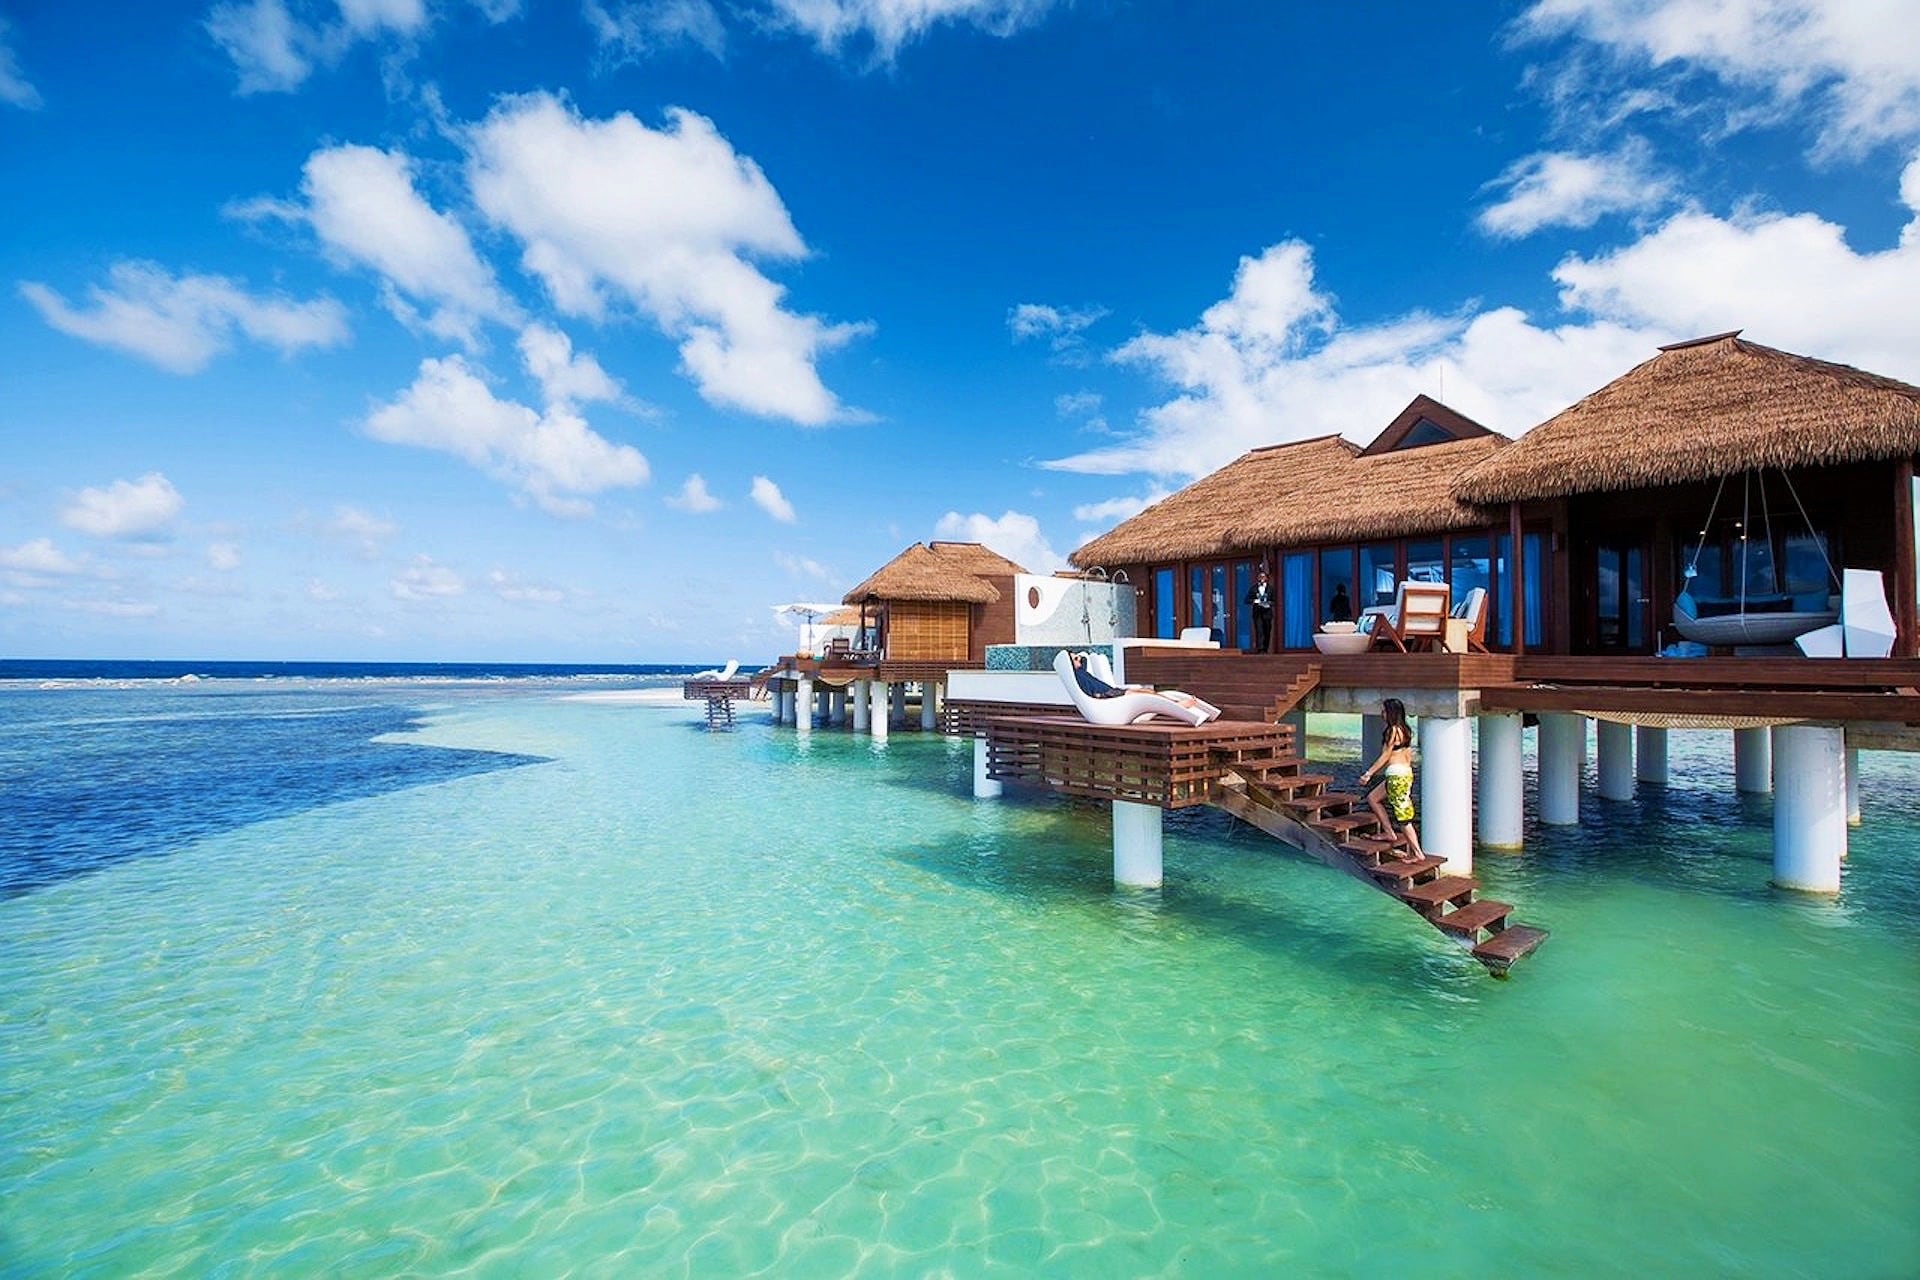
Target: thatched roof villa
<point>1761,469</point>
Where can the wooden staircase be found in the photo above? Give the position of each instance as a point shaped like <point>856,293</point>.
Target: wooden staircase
<point>1290,697</point>
<point>1275,793</point>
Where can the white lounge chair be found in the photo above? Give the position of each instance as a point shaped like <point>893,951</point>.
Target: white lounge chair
<point>1467,628</point>
<point>1866,628</point>
<point>1130,707</point>
<point>724,673</point>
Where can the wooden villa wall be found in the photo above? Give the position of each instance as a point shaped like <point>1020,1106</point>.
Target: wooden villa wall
<point>928,630</point>
<point>993,623</point>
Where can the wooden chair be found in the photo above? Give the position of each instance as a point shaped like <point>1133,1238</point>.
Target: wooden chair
<point>1467,628</point>
<point>840,648</point>
<point>1419,617</point>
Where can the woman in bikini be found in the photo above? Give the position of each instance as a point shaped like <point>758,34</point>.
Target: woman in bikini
<point>1394,795</point>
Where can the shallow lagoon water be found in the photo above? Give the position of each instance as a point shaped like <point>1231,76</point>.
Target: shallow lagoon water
<point>625,997</point>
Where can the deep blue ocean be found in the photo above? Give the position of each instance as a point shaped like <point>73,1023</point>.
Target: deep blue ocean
<point>102,761</point>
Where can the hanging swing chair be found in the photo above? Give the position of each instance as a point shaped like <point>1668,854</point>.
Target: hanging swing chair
<point>1770,618</point>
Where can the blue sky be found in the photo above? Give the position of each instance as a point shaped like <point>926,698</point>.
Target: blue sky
<point>587,330</point>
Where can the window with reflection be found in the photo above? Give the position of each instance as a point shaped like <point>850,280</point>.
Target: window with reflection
<point>1469,565</point>
<point>1336,584</point>
<point>1379,575</point>
<point>1425,561</point>
<point>1197,595</point>
<point>1217,615</point>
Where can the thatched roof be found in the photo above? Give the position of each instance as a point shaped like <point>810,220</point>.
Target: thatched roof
<point>920,574</point>
<point>976,559</point>
<point>1200,519</point>
<point>1379,495</point>
<point>1321,490</point>
<point>1703,409</point>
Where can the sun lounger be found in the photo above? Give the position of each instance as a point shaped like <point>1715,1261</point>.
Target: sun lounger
<point>1132,706</point>
<point>1866,628</point>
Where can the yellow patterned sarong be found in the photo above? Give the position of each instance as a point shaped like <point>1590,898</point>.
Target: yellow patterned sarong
<point>1400,794</point>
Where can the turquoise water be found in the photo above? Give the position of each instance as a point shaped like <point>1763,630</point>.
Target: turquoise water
<point>626,998</point>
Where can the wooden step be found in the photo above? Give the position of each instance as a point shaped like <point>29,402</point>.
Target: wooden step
<point>1364,823</point>
<point>1435,894</point>
<point>1322,801</point>
<point>1510,944</point>
<point>1469,920</point>
<point>1408,871</point>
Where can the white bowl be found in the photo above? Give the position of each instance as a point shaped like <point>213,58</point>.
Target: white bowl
<point>1339,628</point>
<point>1342,643</point>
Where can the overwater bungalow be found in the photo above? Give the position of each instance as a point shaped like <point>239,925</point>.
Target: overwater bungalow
<point>1732,507</point>
<point>932,609</point>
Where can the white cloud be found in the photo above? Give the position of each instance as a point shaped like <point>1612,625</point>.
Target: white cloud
<point>366,17</point>
<point>1113,510</point>
<point>14,86</point>
<point>1852,65</point>
<point>112,608</point>
<point>264,42</point>
<point>666,220</point>
<point>551,456</point>
<point>1014,535</point>
<point>320,593</point>
<point>39,557</point>
<point>1075,403</point>
<point>181,323</point>
<point>1791,280</point>
<point>1272,363</point>
<point>635,28</point>
<point>275,51</point>
<point>511,588</point>
<point>426,580</point>
<point>223,556</point>
<point>887,25</point>
<point>368,532</point>
<point>1060,327</point>
<point>803,566</point>
<point>693,497</point>
<point>497,11</point>
<point>363,205</point>
<point>767,496</point>
<point>139,510</point>
<point>1552,188</point>
<point>564,377</point>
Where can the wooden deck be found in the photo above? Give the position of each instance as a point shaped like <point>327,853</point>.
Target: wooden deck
<point>719,695</point>
<point>1250,770</point>
<point>1860,691</point>
<point>1174,766</point>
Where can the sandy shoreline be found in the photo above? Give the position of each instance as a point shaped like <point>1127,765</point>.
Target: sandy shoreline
<point>635,697</point>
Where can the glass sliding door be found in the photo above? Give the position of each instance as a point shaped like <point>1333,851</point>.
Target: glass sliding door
<point>1165,626</point>
<point>1243,612</point>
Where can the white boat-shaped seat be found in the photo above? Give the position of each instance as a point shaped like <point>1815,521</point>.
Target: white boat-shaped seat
<point>1134,705</point>
<point>1770,627</point>
<point>724,673</point>
<point>1866,628</point>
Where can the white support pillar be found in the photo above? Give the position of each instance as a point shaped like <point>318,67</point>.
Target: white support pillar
<point>782,704</point>
<point>803,706</point>
<point>1371,727</point>
<point>1502,811</point>
<point>1446,791</point>
<point>1616,760</point>
<point>984,788</point>
<point>1752,761</point>
<point>1853,786</point>
<point>1136,845</point>
<point>929,704</point>
<point>862,704</point>
<point>897,705</point>
<point>1809,807</point>
<point>1650,755</point>
<point>837,706</point>
<point>1560,737</point>
<point>878,709</point>
<point>1298,719</point>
